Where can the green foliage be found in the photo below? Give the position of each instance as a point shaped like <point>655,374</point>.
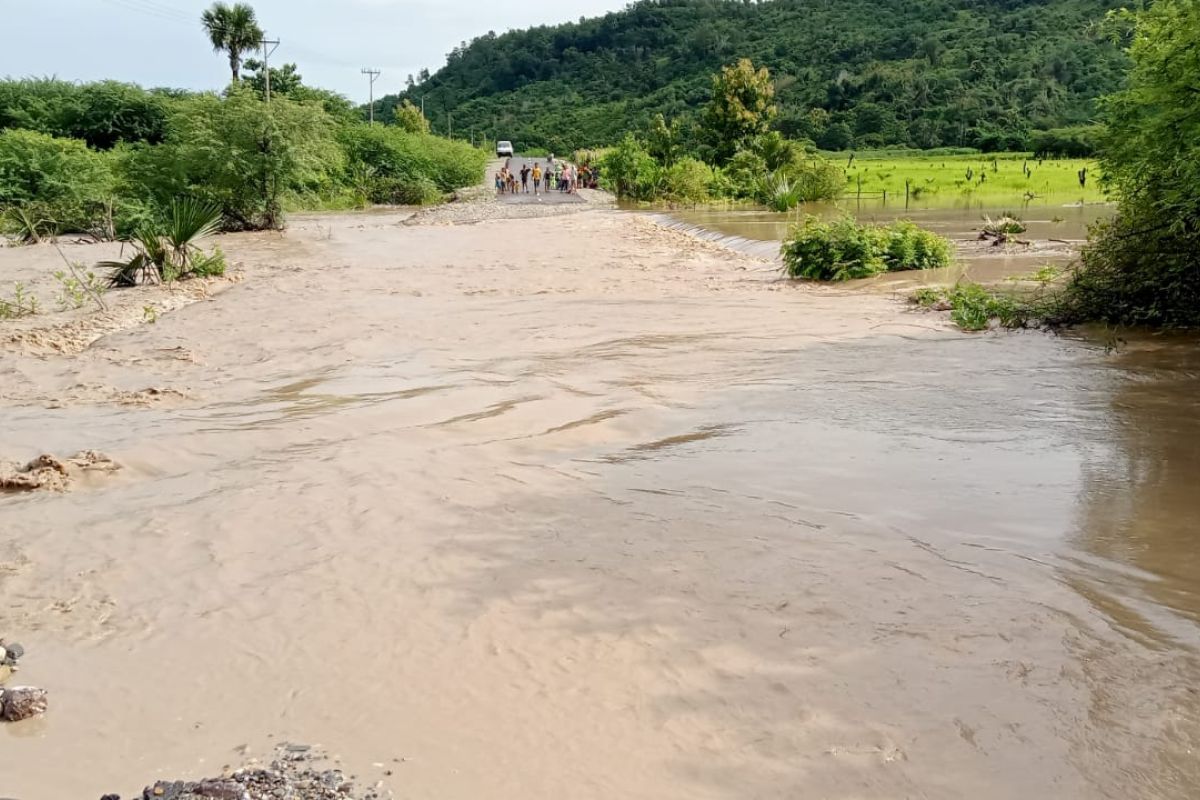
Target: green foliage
<point>1143,267</point>
<point>102,113</point>
<point>77,286</point>
<point>232,29</point>
<point>171,251</point>
<point>907,246</point>
<point>877,71</point>
<point>815,179</point>
<point>844,250</point>
<point>664,140</point>
<point>832,251</point>
<point>284,80</point>
<point>409,168</point>
<point>50,185</point>
<point>410,119</point>
<point>19,304</point>
<point>1138,269</point>
<point>1079,141</point>
<point>741,109</point>
<point>974,307</point>
<point>234,151</point>
<point>241,155</point>
<point>686,181</point>
<point>746,175</point>
<point>25,225</point>
<point>1006,177</point>
<point>628,170</point>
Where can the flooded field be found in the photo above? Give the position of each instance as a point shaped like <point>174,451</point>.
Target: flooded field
<point>633,518</point>
<point>1056,228</point>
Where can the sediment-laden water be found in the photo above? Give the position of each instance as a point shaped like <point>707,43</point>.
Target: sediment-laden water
<point>576,507</point>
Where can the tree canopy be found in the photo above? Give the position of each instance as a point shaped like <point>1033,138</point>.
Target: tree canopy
<point>1143,267</point>
<point>232,29</point>
<point>855,73</point>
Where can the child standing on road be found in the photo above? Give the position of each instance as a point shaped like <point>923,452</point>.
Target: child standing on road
<point>537,176</point>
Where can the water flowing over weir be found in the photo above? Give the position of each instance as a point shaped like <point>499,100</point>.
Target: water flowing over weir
<point>633,519</point>
<point>767,248</point>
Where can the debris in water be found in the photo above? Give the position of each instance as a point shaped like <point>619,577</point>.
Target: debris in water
<point>292,775</point>
<point>50,474</point>
<point>10,654</point>
<point>22,702</point>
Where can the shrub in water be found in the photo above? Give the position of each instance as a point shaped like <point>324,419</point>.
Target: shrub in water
<point>910,247</point>
<point>833,251</point>
<point>687,181</point>
<point>843,250</point>
<point>630,171</point>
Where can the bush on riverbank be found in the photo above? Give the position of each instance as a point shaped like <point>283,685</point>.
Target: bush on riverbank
<point>402,165</point>
<point>844,250</point>
<point>49,186</point>
<point>234,151</point>
<point>240,155</point>
<point>974,308</point>
<point>1143,267</point>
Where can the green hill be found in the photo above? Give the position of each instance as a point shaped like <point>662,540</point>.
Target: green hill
<point>849,73</point>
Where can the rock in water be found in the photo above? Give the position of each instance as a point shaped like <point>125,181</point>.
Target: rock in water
<point>22,702</point>
<point>11,653</point>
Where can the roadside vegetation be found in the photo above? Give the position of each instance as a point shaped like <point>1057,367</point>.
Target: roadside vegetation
<point>1143,266</point>
<point>114,161</point>
<point>730,154</point>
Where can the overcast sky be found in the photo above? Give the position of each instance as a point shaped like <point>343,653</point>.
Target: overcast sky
<point>160,42</point>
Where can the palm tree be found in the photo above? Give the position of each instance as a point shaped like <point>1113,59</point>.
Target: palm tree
<point>232,29</point>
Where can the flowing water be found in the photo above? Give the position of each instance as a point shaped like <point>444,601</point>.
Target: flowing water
<point>628,518</point>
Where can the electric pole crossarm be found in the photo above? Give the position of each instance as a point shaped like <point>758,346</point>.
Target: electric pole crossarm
<point>372,76</point>
<point>274,45</point>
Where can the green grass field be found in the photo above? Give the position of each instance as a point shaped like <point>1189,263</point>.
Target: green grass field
<point>934,177</point>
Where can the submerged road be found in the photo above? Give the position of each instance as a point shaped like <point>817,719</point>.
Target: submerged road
<point>551,197</point>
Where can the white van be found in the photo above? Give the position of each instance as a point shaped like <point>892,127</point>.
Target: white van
<point>504,149</point>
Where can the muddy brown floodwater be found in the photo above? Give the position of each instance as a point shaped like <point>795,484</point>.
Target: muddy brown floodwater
<point>582,508</point>
<point>1056,229</point>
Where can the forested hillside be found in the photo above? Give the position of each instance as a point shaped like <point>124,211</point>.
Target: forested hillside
<point>850,73</point>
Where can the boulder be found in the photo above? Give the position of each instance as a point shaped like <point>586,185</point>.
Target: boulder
<point>22,702</point>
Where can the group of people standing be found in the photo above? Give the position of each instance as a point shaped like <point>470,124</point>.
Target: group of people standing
<point>561,175</point>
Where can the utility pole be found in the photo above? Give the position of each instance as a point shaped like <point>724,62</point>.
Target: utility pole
<point>372,76</point>
<point>422,106</point>
<point>274,43</point>
<point>450,125</point>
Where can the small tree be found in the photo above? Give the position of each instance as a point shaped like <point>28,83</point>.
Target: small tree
<point>1144,265</point>
<point>742,107</point>
<point>284,80</point>
<point>232,29</point>
<point>409,118</point>
<point>664,140</point>
<point>240,155</point>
